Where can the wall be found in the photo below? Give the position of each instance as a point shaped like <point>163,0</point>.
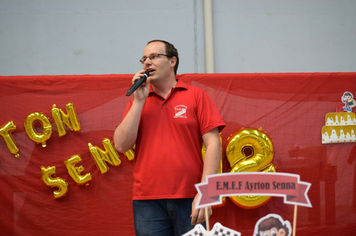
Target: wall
<point>47,37</point>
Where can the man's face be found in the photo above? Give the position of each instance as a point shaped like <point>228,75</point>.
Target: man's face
<point>159,67</point>
<point>273,232</point>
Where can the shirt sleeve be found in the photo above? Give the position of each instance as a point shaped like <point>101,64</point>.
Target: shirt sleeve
<point>208,115</point>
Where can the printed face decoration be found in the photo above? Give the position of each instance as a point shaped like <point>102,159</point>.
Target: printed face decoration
<point>272,225</point>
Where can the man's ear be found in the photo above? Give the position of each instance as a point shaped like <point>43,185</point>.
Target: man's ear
<point>173,62</point>
<point>282,232</point>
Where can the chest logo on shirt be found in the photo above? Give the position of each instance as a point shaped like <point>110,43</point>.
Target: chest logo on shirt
<point>180,111</point>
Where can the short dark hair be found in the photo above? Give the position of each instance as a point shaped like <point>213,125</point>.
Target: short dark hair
<point>271,222</point>
<point>170,51</point>
<point>348,94</point>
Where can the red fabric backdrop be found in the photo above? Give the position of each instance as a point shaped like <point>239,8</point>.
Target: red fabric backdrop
<point>289,107</point>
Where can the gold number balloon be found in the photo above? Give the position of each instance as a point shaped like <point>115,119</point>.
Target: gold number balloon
<point>250,150</point>
<point>31,131</point>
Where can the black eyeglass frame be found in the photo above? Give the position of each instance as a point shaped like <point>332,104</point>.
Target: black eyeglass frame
<point>153,56</point>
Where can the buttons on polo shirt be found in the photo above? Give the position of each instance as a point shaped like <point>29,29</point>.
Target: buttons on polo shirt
<point>164,102</point>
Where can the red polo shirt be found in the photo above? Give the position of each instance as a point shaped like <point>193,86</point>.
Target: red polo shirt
<point>169,142</point>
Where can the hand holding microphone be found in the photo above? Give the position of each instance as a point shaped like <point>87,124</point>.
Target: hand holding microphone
<point>138,83</point>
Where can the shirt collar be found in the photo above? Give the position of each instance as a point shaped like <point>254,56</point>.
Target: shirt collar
<point>180,85</point>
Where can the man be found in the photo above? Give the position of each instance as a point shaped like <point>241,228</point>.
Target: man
<point>168,121</point>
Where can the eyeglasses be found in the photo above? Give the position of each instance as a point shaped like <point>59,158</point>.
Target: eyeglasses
<point>153,57</point>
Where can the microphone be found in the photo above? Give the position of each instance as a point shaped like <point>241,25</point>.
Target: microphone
<point>138,83</point>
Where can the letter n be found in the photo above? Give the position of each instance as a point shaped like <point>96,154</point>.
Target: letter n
<point>61,119</point>
<point>100,157</point>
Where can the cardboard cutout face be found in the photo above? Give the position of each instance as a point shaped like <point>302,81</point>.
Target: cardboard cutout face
<point>348,99</point>
<point>272,225</point>
<point>273,232</point>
